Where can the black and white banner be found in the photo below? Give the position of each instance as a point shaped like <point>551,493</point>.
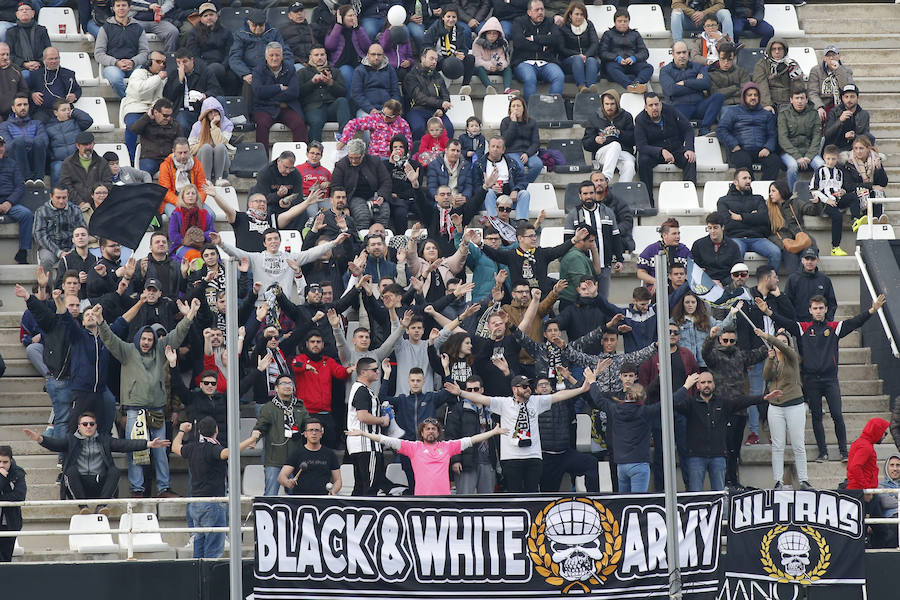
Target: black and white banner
<point>479,547</point>
<point>795,537</point>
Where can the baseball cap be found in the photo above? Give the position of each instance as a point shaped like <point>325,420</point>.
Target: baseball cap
<point>257,16</point>
<point>850,87</point>
<point>207,6</point>
<point>85,137</point>
<point>740,267</point>
<point>810,253</point>
<point>831,49</point>
<point>296,7</point>
<point>153,283</point>
<point>519,380</point>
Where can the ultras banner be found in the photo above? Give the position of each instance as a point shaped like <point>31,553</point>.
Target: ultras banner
<point>500,546</point>
<point>799,537</point>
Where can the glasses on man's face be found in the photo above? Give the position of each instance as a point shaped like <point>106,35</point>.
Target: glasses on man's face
<point>673,332</point>
<point>741,274</point>
<point>504,209</point>
<point>473,389</point>
<point>88,423</point>
<point>727,341</point>
<point>207,383</point>
<point>286,383</point>
<point>165,115</point>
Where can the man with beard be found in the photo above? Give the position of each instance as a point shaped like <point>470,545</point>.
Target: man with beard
<point>104,277</point>
<point>847,120</point>
<point>609,137</point>
<point>749,135</point>
<point>747,218</point>
<point>662,135</point>
<point>280,420</point>
<point>602,248</point>
<point>280,182</point>
<point>430,456</point>
<point>335,221</point>
<point>248,226</point>
<point>27,141</point>
<point>624,213</point>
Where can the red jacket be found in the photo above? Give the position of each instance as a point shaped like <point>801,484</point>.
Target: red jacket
<point>314,387</point>
<point>649,369</point>
<point>862,466</point>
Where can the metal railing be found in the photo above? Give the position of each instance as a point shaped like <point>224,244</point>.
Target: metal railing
<point>132,529</point>
<point>865,271</point>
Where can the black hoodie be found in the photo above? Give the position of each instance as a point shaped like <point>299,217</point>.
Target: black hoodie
<point>12,489</point>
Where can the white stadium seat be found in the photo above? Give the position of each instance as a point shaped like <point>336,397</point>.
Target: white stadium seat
<point>229,196</point>
<point>253,483</point>
<point>145,536</point>
<point>877,232</point>
<point>331,155</point>
<point>82,64</point>
<point>659,57</point>
<point>691,233</point>
<point>89,534</point>
<point>247,424</point>
<point>712,191</point>
<point>761,188</point>
<point>494,109</point>
<point>648,20</point>
<point>678,198</point>
<point>601,17</point>
<point>298,148</point>
<point>347,480</point>
<point>783,18</point>
<point>143,248</point>
<point>395,474</point>
<point>805,57</point>
<point>643,236</point>
<point>543,197</point>
<point>291,241</point>
<point>461,108</point>
<point>96,108</point>
<point>61,24</point>
<point>120,149</point>
<point>583,433</point>
<point>633,103</point>
<point>551,237</point>
<point>18,550</point>
<point>709,155</point>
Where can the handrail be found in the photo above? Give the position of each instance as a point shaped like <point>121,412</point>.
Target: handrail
<point>864,271</point>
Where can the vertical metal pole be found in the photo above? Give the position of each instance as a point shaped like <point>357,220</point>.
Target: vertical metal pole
<point>234,426</point>
<point>130,510</point>
<point>668,426</point>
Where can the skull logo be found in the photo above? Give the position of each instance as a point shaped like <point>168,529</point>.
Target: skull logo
<point>794,549</point>
<point>574,529</point>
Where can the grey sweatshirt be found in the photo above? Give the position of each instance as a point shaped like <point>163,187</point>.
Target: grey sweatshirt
<point>349,355</point>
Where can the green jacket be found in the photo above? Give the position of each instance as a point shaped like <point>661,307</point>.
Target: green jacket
<point>728,83</point>
<point>143,375</point>
<point>572,266</point>
<point>799,133</point>
<point>271,424</point>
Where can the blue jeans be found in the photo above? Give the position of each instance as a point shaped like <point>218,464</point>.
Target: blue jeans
<point>418,118</point>
<point>151,165</point>
<point>584,72</point>
<point>208,514</point>
<point>158,457</point>
<point>697,468</point>
<point>372,26</point>
<point>4,25</point>
<point>761,246</point>
<point>186,119</point>
<point>25,218</point>
<point>523,199</point>
<point>272,485</point>
<point>707,110</point>
<point>790,165</point>
<point>762,29</point>
<point>529,74</point>
<point>633,478</point>
<point>131,139</point>
<point>417,34</point>
<point>31,156</point>
<point>93,28</point>
<point>347,74</point>
<point>757,388</point>
<point>681,22</point>
<point>116,78</point>
<point>639,72</point>
<point>535,165</point>
<point>61,400</point>
<point>506,26</point>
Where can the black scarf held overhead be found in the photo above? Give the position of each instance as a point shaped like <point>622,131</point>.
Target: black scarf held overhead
<point>126,213</point>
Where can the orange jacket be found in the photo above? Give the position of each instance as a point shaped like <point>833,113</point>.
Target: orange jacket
<point>167,180</point>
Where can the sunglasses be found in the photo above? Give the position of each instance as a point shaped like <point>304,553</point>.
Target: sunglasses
<point>207,383</point>
<point>727,341</point>
<point>504,209</point>
<point>473,389</point>
<point>430,421</point>
<point>741,274</point>
<point>674,332</point>
<point>88,423</point>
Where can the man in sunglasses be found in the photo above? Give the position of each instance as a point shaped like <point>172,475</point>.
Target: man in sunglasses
<point>202,402</point>
<point>312,468</point>
<point>89,470</point>
<point>430,455</point>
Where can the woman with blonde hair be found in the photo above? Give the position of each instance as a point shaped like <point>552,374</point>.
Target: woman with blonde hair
<point>786,220</point>
<point>209,141</point>
<point>865,176</point>
<point>189,225</point>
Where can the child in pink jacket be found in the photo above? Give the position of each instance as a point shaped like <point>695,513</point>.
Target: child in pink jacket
<point>491,51</point>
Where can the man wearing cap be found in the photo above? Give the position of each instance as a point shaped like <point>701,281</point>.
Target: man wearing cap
<point>27,40</point>
<point>276,96</point>
<point>121,46</point>
<point>156,309</point>
<point>84,170</point>
<point>248,50</point>
<point>54,223</point>
<point>27,140</point>
<point>123,174</point>
<point>209,41</point>
<point>808,282</point>
<point>847,120</point>
<point>826,80</point>
<point>298,34</point>
<point>520,451</point>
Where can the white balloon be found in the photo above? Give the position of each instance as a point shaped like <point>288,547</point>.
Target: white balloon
<point>396,15</point>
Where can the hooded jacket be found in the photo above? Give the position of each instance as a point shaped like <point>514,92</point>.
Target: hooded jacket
<point>210,44</point>
<point>90,358</point>
<point>12,489</point>
<point>774,78</point>
<point>373,85</point>
<point>226,127</point>
<point>335,42</point>
<point>619,128</point>
<point>862,465</point>
<point>802,285</point>
<point>32,130</point>
<point>142,376</point>
<point>694,88</point>
<point>824,86</point>
<point>248,51</point>
<point>800,133</point>
<point>754,221</point>
<point>750,128</point>
<point>631,422</point>
<point>486,54</point>
<point>729,83</point>
<point>381,131</point>
<point>425,88</point>
<point>615,46</point>
<point>729,365</point>
<point>676,134</point>
<point>889,501</point>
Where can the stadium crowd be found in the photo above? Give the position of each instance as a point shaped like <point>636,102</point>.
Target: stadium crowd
<point>399,333</point>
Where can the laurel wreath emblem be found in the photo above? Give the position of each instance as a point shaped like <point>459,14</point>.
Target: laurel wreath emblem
<point>549,570</point>
<point>773,571</point>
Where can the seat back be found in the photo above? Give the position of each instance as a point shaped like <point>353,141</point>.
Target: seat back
<point>395,474</point>
<point>586,105</point>
<point>875,232</point>
<point>331,155</point>
<point>712,191</point>
<point>96,108</point>
<point>573,152</point>
<point>254,481</point>
<point>277,16</point>
<point>80,62</point>
<point>572,199</point>
<point>678,198</point>
<point>748,57</point>
<point>347,480</point>
<point>120,149</point>
<point>783,18</point>
<point>633,103</point>
<point>648,20</point>
<point>549,110</point>
<point>805,57</point>
<point>228,195</point>
<point>61,24</point>
<point>692,233</point>
<point>634,193</point>
<point>543,197</point>
<point>235,105</point>
<point>291,240</point>
<point>643,236</point>
<point>551,237</point>
<point>709,154</point>
<point>145,536</point>
<point>583,433</point>
<point>461,108</point>
<point>233,18</point>
<point>493,109</point>
<point>90,534</point>
<point>761,187</point>
<point>298,148</point>
<point>249,160</point>
<point>247,424</point>
<point>601,17</point>
<point>659,57</point>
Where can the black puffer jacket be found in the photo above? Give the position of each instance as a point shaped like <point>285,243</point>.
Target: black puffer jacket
<point>754,221</point>
<point>299,38</point>
<point>210,44</point>
<point>573,44</point>
<point>200,405</point>
<point>425,88</point>
<point>556,427</point>
<point>614,44</point>
<point>55,338</point>
<point>462,421</point>
<point>12,489</point>
<point>622,122</point>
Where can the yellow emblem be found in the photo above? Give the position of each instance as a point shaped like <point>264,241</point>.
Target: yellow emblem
<point>794,549</point>
<point>575,543</point>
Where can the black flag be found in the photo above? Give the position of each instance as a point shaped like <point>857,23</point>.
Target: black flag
<point>126,213</point>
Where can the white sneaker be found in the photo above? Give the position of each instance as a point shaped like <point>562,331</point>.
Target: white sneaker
<point>490,90</point>
<point>222,182</point>
<point>465,90</point>
<point>190,543</point>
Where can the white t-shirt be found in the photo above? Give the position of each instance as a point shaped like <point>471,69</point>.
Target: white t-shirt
<point>508,409</point>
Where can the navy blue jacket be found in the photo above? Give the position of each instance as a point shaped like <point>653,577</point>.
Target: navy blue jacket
<point>412,409</point>
<point>12,184</point>
<point>438,176</point>
<point>372,87</point>
<point>477,144</point>
<point>267,94</point>
<point>62,134</point>
<point>516,181</point>
<point>750,128</point>
<point>692,90</point>
<point>631,422</point>
<point>89,357</point>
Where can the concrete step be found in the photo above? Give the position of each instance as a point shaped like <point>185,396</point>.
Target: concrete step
<point>21,385</point>
<point>851,372</point>
<point>762,453</point>
<point>20,367</point>
<point>875,83</point>
<point>879,403</point>
<point>854,356</point>
<point>25,416</point>
<point>847,13</point>
<point>873,100</point>
<point>24,399</point>
<point>862,387</point>
<point>844,41</point>
<point>865,22</point>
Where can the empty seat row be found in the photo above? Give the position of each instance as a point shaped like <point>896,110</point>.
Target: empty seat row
<point>649,20</point>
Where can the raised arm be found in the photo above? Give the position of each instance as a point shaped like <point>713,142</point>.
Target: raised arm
<point>471,396</point>
<point>483,437</point>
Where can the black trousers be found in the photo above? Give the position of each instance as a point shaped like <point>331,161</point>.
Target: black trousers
<point>522,474</point>
<point>813,390</point>
<point>646,164</point>
<point>770,164</point>
<point>92,486</point>
<point>572,462</point>
<point>368,473</point>
<point>7,545</point>
<point>734,439</point>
